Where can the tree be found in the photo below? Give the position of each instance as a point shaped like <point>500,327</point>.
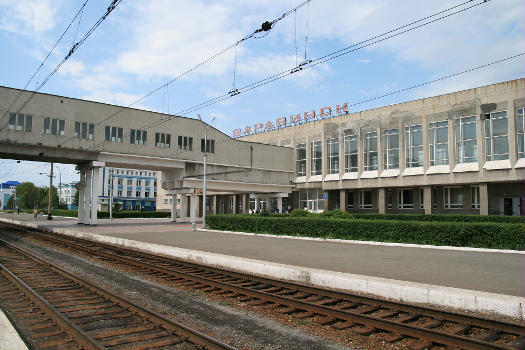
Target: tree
<point>116,206</point>
<point>11,203</point>
<point>27,194</point>
<point>43,197</point>
<point>75,199</point>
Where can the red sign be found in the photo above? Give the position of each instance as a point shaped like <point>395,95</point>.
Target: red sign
<point>283,122</point>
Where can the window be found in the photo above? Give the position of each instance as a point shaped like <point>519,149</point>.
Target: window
<point>119,193</point>
<point>311,199</point>
<point>389,198</point>
<point>350,153</point>
<point>317,158</point>
<point>365,199</point>
<point>84,130</point>
<point>520,127</point>
<point>405,198</point>
<point>138,137</point>
<point>475,197</point>
<point>422,198</point>
<point>54,126</point>
<point>146,194</point>
<point>413,146</point>
<point>119,181</point>
<point>20,122</point>
<point>453,197</point>
<point>210,146</point>
<point>165,200</point>
<point>370,151</point>
<point>466,142</point>
<point>496,136</point>
<point>391,149</point>
<point>162,140</point>
<point>113,134</point>
<point>185,143</point>
<point>332,148</point>
<point>137,193</point>
<point>129,193</point>
<point>350,200</point>
<point>438,142</point>
<point>300,163</point>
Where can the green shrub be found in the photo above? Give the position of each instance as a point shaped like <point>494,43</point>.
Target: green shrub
<point>299,212</point>
<point>337,214</point>
<point>461,234</point>
<point>443,217</point>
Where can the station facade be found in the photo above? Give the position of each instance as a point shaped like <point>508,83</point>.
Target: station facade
<point>457,153</point>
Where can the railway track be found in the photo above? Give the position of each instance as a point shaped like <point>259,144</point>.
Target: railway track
<point>56,310</point>
<point>421,328</point>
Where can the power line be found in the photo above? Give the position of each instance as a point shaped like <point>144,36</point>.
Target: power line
<point>309,64</point>
<point>265,27</point>
<point>75,46</point>
<point>45,59</point>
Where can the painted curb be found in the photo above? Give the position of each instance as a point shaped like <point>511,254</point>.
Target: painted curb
<point>404,291</point>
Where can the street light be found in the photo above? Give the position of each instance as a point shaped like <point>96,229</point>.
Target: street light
<point>204,170</point>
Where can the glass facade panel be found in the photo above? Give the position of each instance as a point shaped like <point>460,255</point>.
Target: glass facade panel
<point>300,165</point>
<point>520,127</point>
<point>370,151</point>
<point>332,148</point>
<point>405,198</point>
<point>391,149</point>
<point>413,146</point>
<point>350,153</point>
<point>317,158</point>
<point>438,143</point>
<point>365,199</point>
<point>453,197</point>
<point>311,199</point>
<point>496,136</point>
<point>466,142</point>
<point>12,121</point>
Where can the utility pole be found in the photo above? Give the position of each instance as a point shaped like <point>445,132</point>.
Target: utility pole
<point>49,217</point>
<point>204,171</point>
<point>111,196</point>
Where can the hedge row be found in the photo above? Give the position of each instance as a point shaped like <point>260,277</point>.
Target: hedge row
<point>443,217</point>
<point>460,234</point>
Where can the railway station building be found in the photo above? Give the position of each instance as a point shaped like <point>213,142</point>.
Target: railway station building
<point>457,153</point>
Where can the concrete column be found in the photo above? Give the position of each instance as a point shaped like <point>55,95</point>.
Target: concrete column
<point>380,165</point>
<point>342,200</point>
<point>484,199</point>
<point>480,130</point>
<point>174,208</point>
<point>257,204</point>
<point>426,148</point>
<point>193,207</point>
<point>214,204</point>
<point>402,148</point>
<point>451,144</point>
<point>513,146</point>
<point>81,197</point>
<point>246,204</point>
<point>427,198</point>
<point>381,200</point>
<point>183,203</point>
<point>280,204</point>
<point>234,211</point>
<point>87,196</point>
<point>94,196</point>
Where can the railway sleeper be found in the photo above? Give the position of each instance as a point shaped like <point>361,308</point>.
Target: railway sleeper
<point>418,344</point>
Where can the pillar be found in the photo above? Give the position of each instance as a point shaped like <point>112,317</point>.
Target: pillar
<point>174,208</point>
<point>246,204</point>
<point>257,204</point>
<point>427,198</point>
<point>81,197</point>
<point>484,199</point>
<point>280,204</point>
<point>183,204</point>
<point>214,204</point>
<point>94,196</point>
<point>193,207</point>
<point>381,201</point>
<point>342,200</point>
<point>87,197</point>
<point>234,210</point>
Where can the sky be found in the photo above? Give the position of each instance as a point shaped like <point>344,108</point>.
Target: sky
<point>142,45</point>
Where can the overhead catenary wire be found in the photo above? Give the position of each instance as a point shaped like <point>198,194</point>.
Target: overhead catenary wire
<point>265,27</point>
<point>45,59</point>
<point>75,46</point>
<point>352,48</point>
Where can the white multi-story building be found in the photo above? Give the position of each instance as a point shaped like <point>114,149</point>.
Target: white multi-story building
<point>67,194</point>
<point>133,189</point>
<point>7,189</point>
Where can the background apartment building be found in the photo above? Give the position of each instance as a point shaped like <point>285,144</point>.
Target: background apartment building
<point>461,152</point>
<point>66,194</point>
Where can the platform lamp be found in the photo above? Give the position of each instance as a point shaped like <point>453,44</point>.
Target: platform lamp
<point>204,169</point>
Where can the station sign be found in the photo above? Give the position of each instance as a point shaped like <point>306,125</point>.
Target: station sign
<point>282,122</point>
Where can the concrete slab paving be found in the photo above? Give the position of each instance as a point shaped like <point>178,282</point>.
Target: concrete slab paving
<point>450,277</point>
<point>9,338</point>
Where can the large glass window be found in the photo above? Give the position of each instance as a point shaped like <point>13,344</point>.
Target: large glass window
<point>85,130</point>
<point>438,142</point>
<point>54,126</point>
<point>391,149</point>
<point>300,163</point>
<point>405,198</point>
<point>496,136</point>
<point>413,146</point>
<point>12,121</point>
<point>370,151</point>
<point>113,134</point>
<point>185,143</point>
<point>332,148</point>
<point>317,158</point>
<point>365,199</point>
<point>520,127</point>
<point>475,197</point>
<point>453,197</point>
<point>466,141</point>
<point>209,147</point>
<point>311,199</point>
<point>138,137</point>
<point>350,153</point>
<point>20,122</point>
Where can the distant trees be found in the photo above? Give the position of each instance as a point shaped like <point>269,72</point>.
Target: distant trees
<point>31,197</point>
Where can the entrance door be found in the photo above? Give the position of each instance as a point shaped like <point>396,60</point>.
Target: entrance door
<point>507,206</point>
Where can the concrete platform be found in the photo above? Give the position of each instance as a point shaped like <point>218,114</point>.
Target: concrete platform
<point>474,280</point>
<point>9,338</point>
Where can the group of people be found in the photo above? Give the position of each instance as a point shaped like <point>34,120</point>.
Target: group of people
<point>36,213</point>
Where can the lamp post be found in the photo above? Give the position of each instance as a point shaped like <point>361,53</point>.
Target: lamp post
<point>111,196</point>
<point>49,217</point>
<point>204,171</point>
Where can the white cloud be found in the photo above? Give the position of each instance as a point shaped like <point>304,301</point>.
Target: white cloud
<point>27,17</point>
<point>72,67</point>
